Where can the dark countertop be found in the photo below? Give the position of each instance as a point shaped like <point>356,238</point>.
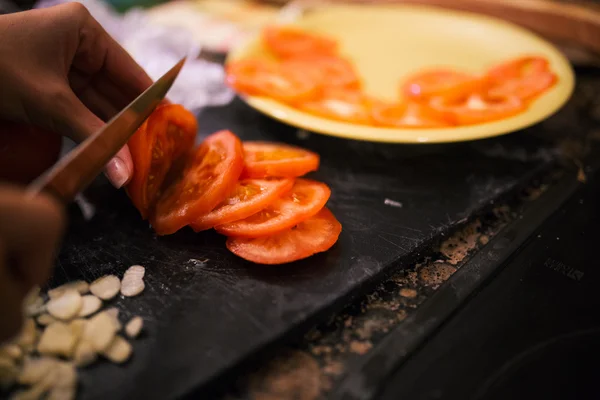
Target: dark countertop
<point>412,217</point>
<point>312,367</point>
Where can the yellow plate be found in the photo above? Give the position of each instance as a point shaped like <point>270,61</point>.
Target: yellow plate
<point>387,43</point>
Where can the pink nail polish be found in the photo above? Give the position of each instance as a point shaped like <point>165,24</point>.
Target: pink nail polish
<point>117,172</point>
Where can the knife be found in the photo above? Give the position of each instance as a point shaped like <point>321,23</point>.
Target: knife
<point>75,171</point>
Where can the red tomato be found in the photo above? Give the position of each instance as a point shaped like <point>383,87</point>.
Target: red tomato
<point>166,135</point>
<point>249,197</point>
<point>443,83</point>
<point>325,70</point>
<point>26,151</point>
<point>342,105</point>
<point>525,88</point>
<point>210,174</point>
<point>311,236</point>
<point>304,200</point>
<point>477,109</point>
<point>518,68</point>
<point>408,115</point>
<point>264,160</point>
<point>264,78</point>
<point>524,77</point>
<point>288,42</point>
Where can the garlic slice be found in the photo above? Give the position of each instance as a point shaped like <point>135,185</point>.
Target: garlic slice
<point>133,283</point>
<point>66,306</point>
<point>106,287</point>
<point>134,327</point>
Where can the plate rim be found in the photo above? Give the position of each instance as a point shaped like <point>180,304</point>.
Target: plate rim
<point>319,125</point>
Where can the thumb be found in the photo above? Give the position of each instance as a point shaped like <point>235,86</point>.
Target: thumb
<point>84,123</point>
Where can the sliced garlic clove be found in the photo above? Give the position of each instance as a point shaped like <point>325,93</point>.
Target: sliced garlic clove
<point>12,351</point>
<point>35,307</point>
<point>84,354</point>
<point>133,283</point>
<point>66,306</point>
<point>77,326</point>
<point>90,304</point>
<point>28,336</point>
<point>35,369</point>
<point>100,331</point>
<point>106,287</point>
<point>119,350</point>
<point>57,339</point>
<point>45,319</point>
<point>66,376</point>
<point>81,287</point>
<point>134,327</point>
<point>40,388</point>
<point>113,312</point>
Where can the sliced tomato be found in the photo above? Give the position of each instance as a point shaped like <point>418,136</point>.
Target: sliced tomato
<point>265,159</point>
<point>265,78</point>
<point>303,201</point>
<point>342,105</point>
<point>444,83</point>
<point>326,70</point>
<point>26,151</point>
<point>243,75</point>
<point>249,197</point>
<point>288,42</point>
<point>407,115</point>
<point>478,108</point>
<point>525,88</point>
<point>210,174</point>
<point>524,77</point>
<point>518,68</point>
<point>165,136</point>
<point>311,236</point>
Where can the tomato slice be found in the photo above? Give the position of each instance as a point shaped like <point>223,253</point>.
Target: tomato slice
<point>407,115</point>
<point>525,88</point>
<point>518,68</point>
<point>444,83</point>
<point>524,77</point>
<point>249,197</point>
<point>264,159</point>
<point>342,105</point>
<point>476,108</point>
<point>165,136</point>
<point>210,174</point>
<point>287,42</point>
<point>325,70</point>
<point>313,235</point>
<point>305,199</point>
<point>264,78</point>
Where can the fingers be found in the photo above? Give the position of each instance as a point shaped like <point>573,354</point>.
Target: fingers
<point>12,294</point>
<point>30,231</point>
<point>98,53</point>
<point>87,90</point>
<point>84,124</point>
<point>119,170</point>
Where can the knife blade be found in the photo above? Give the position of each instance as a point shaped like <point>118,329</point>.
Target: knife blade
<point>75,171</point>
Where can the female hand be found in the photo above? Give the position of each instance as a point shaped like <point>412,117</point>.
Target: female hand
<point>61,71</point>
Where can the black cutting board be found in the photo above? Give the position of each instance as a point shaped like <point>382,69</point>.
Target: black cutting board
<point>206,310</point>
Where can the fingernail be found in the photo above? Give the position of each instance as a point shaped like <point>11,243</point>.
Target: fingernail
<point>117,172</point>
